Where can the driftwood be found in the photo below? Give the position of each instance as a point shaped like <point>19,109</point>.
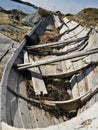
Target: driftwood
<point>57,59</point>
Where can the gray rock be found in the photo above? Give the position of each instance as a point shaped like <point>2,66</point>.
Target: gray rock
<point>9,28</point>
<point>31,20</point>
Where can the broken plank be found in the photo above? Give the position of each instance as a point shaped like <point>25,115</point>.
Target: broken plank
<point>37,80</point>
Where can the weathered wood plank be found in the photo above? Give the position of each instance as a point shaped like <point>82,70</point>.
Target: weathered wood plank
<point>96,96</point>
<point>37,80</point>
<point>74,87</point>
<point>67,31</point>
<point>91,81</point>
<point>57,59</point>
<point>23,105</point>
<point>56,43</point>
<point>81,83</point>
<point>13,116</point>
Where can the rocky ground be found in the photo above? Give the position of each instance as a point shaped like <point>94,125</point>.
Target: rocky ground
<point>14,25</point>
<point>11,26</point>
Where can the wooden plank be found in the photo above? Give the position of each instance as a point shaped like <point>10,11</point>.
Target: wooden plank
<point>40,117</point>
<point>91,81</point>
<point>67,31</point>
<point>13,116</point>
<point>57,43</point>
<point>48,69</point>
<point>96,96</point>
<point>81,83</point>
<point>83,88</point>
<point>25,57</point>
<point>74,87</point>
<point>57,59</point>
<point>44,118</point>
<point>23,105</point>
<point>37,80</point>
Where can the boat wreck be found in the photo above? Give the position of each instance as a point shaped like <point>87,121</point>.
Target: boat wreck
<point>51,78</point>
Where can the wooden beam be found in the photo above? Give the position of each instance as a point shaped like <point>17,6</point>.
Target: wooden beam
<point>72,104</point>
<point>59,42</point>
<point>57,59</point>
<point>56,43</point>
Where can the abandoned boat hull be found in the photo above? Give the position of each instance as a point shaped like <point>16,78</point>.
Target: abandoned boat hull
<point>19,113</point>
<point>12,110</point>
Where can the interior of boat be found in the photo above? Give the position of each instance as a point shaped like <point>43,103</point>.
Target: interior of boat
<point>52,76</point>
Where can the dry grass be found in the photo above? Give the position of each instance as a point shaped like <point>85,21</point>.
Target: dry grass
<point>43,13</point>
<point>87,17</point>
<point>48,36</point>
<point>17,36</point>
<point>4,19</point>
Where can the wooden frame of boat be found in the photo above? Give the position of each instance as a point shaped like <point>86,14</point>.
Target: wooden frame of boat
<point>57,59</point>
<point>69,105</point>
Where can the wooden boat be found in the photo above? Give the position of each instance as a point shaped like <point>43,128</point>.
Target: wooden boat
<point>46,84</point>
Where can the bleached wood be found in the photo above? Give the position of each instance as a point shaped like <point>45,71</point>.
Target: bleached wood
<point>37,80</point>
<point>57,59</point>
